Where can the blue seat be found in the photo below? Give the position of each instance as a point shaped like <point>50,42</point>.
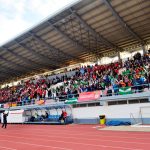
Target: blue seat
<point>53,117</point>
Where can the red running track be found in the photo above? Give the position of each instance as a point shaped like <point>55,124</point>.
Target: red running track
<point>70,137</point>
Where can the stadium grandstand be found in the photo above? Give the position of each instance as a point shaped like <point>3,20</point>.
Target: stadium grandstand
<point>89,62</point>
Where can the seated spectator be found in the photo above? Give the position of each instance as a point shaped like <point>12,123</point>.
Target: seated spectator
<point>63,116</point>
<point>133,72</point>
<point>116,88</point>
<point>109,91</point>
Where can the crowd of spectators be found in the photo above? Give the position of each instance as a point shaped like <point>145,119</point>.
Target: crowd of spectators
<point>133,72</point>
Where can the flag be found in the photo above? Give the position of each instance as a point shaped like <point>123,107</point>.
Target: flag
<point>125,90</point>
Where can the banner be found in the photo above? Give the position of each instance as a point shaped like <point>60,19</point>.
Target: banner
<point>72,100</point>
<point>89,96</point>
<point>125,90</point>
<point>41,102</point>
<point>13,104</point>
<point>6,105</point>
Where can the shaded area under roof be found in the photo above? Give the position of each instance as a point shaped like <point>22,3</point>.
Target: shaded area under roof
<point>90,29</point>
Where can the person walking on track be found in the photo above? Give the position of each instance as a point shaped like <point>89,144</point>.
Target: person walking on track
<point>4,120</point>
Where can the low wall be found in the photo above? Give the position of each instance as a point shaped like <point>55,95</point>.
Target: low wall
<point>90,115</point>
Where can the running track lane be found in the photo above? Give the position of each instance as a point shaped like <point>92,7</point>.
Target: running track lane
<point>70,137</point>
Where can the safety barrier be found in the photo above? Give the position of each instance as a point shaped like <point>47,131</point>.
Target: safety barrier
<point>105,93</point>
<point>63,98</point>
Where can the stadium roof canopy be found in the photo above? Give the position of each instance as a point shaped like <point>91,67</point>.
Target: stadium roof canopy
<point>88,29</point>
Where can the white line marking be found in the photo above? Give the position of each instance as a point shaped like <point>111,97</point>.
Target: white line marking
<point>38,145</point>
<point>101,135</point>
<point>96,127</point>
<point>141,126</point>
<point>71,137</point>
<point>72,132</point>
<point>7,148</point>
<point>58,141</point>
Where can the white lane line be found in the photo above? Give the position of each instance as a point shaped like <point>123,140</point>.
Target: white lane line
<point>96,127</point>
<point>38,145</point>
<point>71,137</point>
<point>73,132</point>
<point>7,148</point>
<point>91,135</point>
<point>77,143</point>
<point>140,126</point>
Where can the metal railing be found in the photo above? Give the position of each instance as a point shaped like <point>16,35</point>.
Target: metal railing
<point>134,89</point>
<point>62,98</point>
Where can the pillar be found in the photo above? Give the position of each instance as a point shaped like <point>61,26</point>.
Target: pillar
<point>144,50</point>
<point>119,57</point>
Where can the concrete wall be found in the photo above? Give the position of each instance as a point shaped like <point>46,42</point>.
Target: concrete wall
<point>116,112</point>
<point>16,116</point>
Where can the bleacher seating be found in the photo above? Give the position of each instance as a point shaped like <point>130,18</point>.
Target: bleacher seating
<point>116,78</point>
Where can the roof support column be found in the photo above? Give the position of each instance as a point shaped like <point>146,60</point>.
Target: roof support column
<point>119,57</point>
<point>144,50</point>
<point>99,61</point>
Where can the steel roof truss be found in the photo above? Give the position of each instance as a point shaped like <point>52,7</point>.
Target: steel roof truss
<point>27,61</point>
<point>34,53</point>
<point>13,64</point>
<point>75,43</point>
<point>22,67</point>
<point>48,61</point>
<point>94,33</point>
<point>49,47</point>
<point>122,22</point>
<point>57,51</point>
<point>11,70</point>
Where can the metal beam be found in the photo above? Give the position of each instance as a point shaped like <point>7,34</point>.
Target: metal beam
<point>53,49</point>
<point>75,43</point>
<point>122,22</point>
<point>22,58</point>
<point>80,48</point>
<point>99,37</point>
<point>47,61</point>
<point>10,69</point>
<point>5,75</point>
<point>22,67</point>
<point>34,53</point>
<point>2,74</point>
<point>42,56</point>
<point>29,61</point>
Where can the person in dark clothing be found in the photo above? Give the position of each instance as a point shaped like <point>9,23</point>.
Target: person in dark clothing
<point>4,120</point>
<point>46,114</point>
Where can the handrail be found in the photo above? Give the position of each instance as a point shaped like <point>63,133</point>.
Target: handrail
<point>113,93</point>
<point>62,98</point>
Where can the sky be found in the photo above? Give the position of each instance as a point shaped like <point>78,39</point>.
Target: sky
<point>18,16</point>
